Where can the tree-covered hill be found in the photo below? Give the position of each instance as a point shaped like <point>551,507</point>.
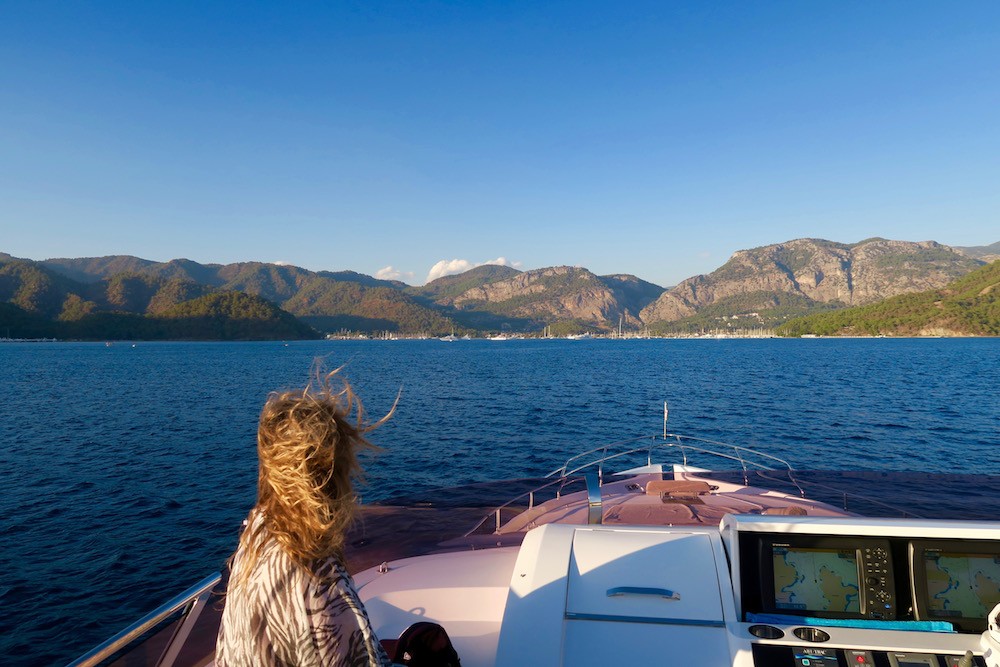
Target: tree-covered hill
<point>754,310</point>
<point>328,300</point>
<point>361,279</point>
<point>274,282</point>
<point>187,270</point>
<point>16,322</point>
<point>37,303</point>
<point>330,305</point>
<point>333,301</point>
<point>145,294</point>
<point>95,269</point>
<point>969,306</point>
<point>38,290</point>
<point>216,316</point>
<point>232,316</point>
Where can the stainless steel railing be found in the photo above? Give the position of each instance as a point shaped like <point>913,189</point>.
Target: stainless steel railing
<point>193,598</point>
<point>746,458</point>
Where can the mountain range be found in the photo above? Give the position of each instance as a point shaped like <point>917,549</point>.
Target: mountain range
<point>757,287</point>
<point>987,253</point>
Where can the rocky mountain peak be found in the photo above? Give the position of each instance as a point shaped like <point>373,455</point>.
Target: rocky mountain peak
<point>819,270</point>
<point>551,294</point>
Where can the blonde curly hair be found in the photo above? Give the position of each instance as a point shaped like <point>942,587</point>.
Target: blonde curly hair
<point>307,442</point>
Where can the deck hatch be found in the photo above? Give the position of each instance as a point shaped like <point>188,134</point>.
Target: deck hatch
<point>639,566</point>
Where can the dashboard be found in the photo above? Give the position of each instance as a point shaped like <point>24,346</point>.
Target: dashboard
<point>952,582</point>
<point>818,592</point>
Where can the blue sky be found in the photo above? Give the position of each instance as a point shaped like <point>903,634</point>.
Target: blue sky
<point>646,138</point>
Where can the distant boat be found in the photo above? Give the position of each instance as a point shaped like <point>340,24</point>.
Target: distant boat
<point>500,337</point>
<point>583,336</point>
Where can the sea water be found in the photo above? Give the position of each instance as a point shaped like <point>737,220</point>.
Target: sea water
<point>129,467</point>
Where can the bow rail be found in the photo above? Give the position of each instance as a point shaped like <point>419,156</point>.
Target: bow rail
<point>748,459</point>
<point>578,469</point>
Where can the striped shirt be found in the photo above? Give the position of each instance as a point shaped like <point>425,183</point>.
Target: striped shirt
<point>280,615</point>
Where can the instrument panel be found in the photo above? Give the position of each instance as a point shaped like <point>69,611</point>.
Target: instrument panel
<point>845,592</point>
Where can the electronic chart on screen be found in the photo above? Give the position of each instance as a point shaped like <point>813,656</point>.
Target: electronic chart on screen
<point>816,579</point>
<point>956,584</point>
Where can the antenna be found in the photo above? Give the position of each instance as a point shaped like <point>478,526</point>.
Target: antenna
<point>666,413</point>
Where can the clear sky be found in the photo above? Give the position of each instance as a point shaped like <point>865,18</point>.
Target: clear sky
<point>387,138</point>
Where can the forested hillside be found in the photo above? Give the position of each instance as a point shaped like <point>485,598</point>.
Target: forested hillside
<point>970,306</point>
<point>37,302</point>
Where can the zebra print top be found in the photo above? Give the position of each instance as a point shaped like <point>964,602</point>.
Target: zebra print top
<point>283,616</point>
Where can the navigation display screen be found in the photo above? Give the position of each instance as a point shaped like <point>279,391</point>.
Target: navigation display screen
<point>814,579</point>
<point>961,585</point>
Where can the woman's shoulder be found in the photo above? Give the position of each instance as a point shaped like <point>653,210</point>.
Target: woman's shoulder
<point>331,573</point>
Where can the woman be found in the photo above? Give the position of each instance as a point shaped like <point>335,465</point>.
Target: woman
<point>290,600</point>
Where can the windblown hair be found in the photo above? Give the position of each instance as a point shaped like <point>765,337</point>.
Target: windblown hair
<point>307,442</point>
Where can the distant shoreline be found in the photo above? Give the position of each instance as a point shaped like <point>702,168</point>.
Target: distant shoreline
<point>113,342</point>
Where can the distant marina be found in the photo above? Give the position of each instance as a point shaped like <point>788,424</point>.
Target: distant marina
<point>634,336</point>
<point>716,334</point>
<point>28,340</point>
<point>545,335</point>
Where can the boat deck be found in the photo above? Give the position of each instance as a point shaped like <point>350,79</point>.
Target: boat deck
<point>400,530</point>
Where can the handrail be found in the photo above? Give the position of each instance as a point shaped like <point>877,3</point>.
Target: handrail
<point>903,513</point>
<point>530,495</point>
<point>670,441</point>
<point>684,444</point>
<point>569,471</point>
<point>108,648</point>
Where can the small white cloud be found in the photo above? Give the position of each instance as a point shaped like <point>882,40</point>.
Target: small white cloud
<point>448,267</point>
<point>451,267</point>
<point>502,261</point>
<point>392,273</point>
<point>280,263</point>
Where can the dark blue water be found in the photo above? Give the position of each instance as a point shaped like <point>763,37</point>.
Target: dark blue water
<point>128,469</point>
